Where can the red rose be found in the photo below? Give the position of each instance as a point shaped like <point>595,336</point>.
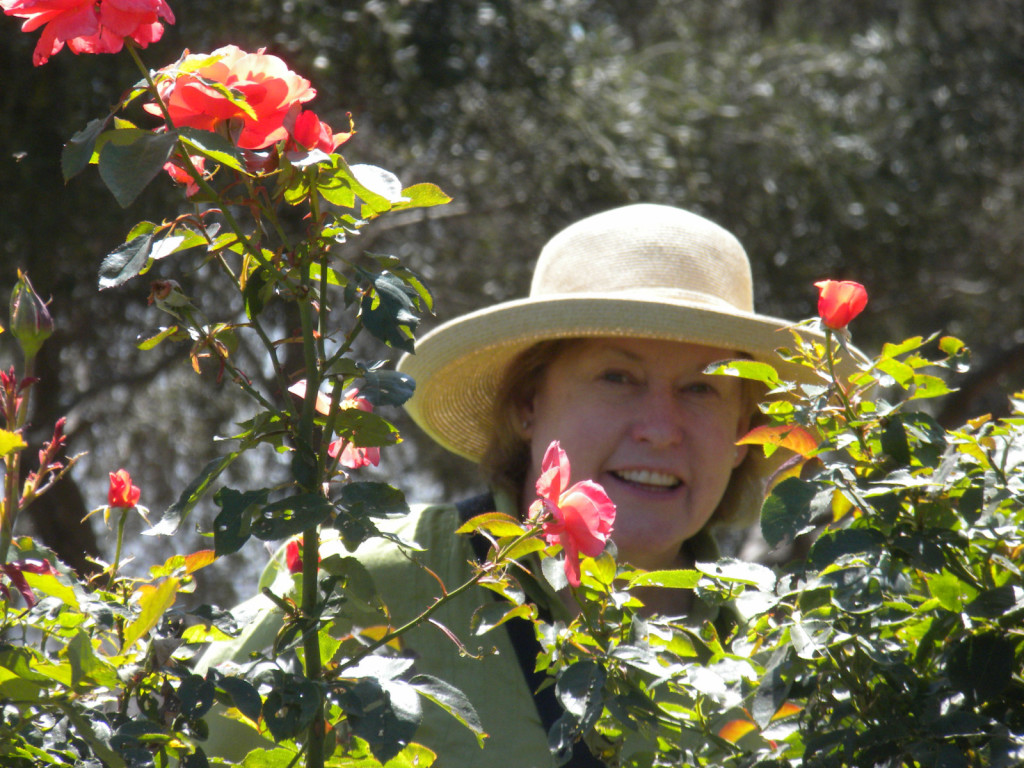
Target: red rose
<point>270,89</point>
<point>88,26</point>
<point>309,132</point>
<point>580,518</point>
<point>293,557</point>
<point>122,493</point>
<point>840,302</point>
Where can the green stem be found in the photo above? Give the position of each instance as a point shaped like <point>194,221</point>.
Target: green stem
<point>117,551</point>
<point>447,597</point>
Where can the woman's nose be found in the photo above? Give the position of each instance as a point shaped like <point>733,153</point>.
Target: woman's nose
<point>656,420</point>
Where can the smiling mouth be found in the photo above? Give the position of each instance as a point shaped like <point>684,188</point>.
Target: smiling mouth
<point>645,478</point>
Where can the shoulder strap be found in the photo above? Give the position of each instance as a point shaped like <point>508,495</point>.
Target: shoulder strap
<point>524,641</point>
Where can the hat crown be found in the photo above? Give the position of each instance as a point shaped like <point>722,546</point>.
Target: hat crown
<point>647,249</point>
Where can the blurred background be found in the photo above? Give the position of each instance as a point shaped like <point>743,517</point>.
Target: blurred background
<point>880,141</point>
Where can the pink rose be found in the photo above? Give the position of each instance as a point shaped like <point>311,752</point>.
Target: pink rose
<point>353,456</point>
<point>579,518</point>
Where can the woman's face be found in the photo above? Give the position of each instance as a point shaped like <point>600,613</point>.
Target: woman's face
<point>639,417</point>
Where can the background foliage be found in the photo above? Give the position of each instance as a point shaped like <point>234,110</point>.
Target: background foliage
<point>878,141</point>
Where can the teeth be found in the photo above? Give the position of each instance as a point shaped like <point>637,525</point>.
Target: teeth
<point>647,477</point>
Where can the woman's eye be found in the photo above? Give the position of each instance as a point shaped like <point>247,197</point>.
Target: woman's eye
<point>616,377</point>
<point>699,388</point>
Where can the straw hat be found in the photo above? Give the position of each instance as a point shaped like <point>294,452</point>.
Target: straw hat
<point>646,271</point>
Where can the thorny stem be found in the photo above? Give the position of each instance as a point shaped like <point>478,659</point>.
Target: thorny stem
<point>447,597</point>
<point>311,536</point>
<point>12,469</point>
<point>851,417</point>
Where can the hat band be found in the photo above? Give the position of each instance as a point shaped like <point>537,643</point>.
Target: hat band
<point>659,294</point>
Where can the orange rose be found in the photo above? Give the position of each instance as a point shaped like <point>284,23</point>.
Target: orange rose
<point>270,90</point>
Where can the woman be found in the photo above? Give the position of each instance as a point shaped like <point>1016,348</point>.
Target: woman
<point>607,356</point>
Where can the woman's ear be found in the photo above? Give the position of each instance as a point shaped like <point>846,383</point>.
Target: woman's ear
<point>524,419</point>
<point>742,428</point>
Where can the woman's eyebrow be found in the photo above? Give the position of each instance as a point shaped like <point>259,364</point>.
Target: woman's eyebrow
<point>612,348</point>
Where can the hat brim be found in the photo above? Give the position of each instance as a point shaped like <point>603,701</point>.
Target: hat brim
<point>459,366</point>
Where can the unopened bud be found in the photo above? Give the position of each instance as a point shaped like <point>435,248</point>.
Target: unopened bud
<point>31,323</point>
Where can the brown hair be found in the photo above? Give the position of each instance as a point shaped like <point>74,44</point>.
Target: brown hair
<point>507,458</point>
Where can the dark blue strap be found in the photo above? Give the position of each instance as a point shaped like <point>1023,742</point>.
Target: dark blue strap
<point>527,648</point>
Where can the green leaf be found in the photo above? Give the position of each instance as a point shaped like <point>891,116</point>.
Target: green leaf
<point>951,346</point>
<point>786,513</point>
<point>290,708</point>
<point>377,187</point>
<point>316,271</point>
<point>422,196</point>
<point>925,386</point>
<point>949,591</point>
<point>163,335</point>
<point>359,599</point>
<point>982,665</point>
<point>259,288</point>
<point>243,695</point>
<point>740,571</point>
<point>890,350</point>
<point>833,545</point>
<point>678,579</point>
<point>132,158</point>
<point>580,690</point>
<point>901,372</point>
<point>154,603</point>
<point>178,512</point>
<point>78,151</point>
<point>373,499</point>
<point>196,696</point>
<point>233,525</point>
<point>747,369</point>
<point>387,387</point>
<point>214,146</point>
<point>50,584</point>
<point>388,311</point>
<point>451,700</point>
<point>86,667</point>
<point>497,524</point>
<point>287,517</point>
<point>495,613</point>
<point>996,602</point>
<point>271,758</point>
<point>364,428</point>
<point>386,715</point>
<point>126,261</point>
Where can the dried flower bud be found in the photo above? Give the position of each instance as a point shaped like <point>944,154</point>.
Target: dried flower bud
<point>31,323</point>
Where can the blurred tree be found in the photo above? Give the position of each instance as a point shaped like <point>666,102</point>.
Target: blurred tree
<point>879,141</point>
